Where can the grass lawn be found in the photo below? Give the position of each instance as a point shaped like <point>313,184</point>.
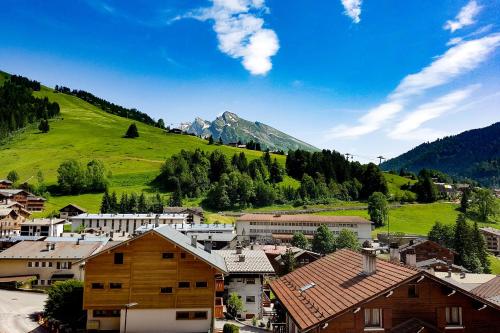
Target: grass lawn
<point>394,183</point>
<point>212,217</point>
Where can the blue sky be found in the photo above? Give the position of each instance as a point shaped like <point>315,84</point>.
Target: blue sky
<point>366,77</point>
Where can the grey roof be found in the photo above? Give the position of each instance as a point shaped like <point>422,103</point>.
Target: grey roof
<point>255,261</point>
<point>21,238</point>
<point>6,211</point>
<point>186,227</point>
<point>298,252</point>
<point>432,261</point>
<point>130,216</point>
<point>13,191</point>
<point>5,181</point>
<point>74,239</point>
<point>216,237</point>
<point>43,222</point>
<point>38,250</point>
<point>184,242</point>
<point>491,230</point>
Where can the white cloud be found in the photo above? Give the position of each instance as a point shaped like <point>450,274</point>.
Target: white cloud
<point>240,32</point>
<point>458,60</point>
<point>409,126</point>
<point>454,41</point>
<point>465,17</point>
<point>352,9</point>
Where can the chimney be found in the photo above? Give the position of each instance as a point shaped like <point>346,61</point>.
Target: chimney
<point>157,220</point>
<point>251,246</point>
<point>394,252</point>
<point>462,275</point>
<point>369,261</point>
<point>449,273</point>
<point>47,246</point>
<point>208,247</point>
<point>241,258</point>
<point>194,239</point>
<point>53,246</point>
<point>411,258</point>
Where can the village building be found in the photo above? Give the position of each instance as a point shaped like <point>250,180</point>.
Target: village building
<point>438,265</point>
<point>194,214</point>
<point>123,223</point>
<point>426,249</point>
<point>45,262</point>
<point>71,210</point>
<point>248,274</point>
<point>352,292</point>
<point>5,184</point>
<point>10,222</point>
<point>301,257</point>
<point>31,202</point>
<point>159,281</point>
<point>9,241</point>
<point>269,228</point>
<point>492,238</point>
<point>43,227</point>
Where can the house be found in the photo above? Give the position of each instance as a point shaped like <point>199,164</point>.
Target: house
<point>124,223</point>
<point>426,249</point>
<point>302,258</point>
<point>5,183</point>
<point>161,280</point>
<point>10,222</point>
<point>352,292</point>
<point>248,273</point>
<point>45,262</point>
<point>492,238</point>
<point>194,214</point>
<point>269,228</point>
<point>43,227</point>
<point>30,202</point>
<point>438,265</point>
<point>70,210</point>
<point>17,207</point>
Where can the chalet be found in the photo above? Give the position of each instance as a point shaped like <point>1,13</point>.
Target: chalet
<point>425,250</point>
<point>5,183</point>
<point>248,273</point>
<point>17,207</point>
<point>9,222</point>
<point>194,214</point>
<point>45,262</point>
<point>43,227</point>
<point>30,202</point>
<point>351,292</point>
<point>161,280</point>
<point>70,210</point>
<point>438,265</point>
<point>492,238</point>
<point>269,228</point>
<point>302,258</point>
<point>124,223</point>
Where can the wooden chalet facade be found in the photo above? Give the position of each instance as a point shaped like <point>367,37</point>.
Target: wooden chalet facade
<point>5,183</point>
<point>171,281</point>
<point>349,292</point>
<point>425,250</point>
<point>70,210</point>
<point>31,202</point>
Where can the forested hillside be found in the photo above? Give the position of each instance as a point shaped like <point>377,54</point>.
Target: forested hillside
<point>473,154</point>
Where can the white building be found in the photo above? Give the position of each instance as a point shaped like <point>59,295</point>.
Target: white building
<point>124,223</point>
<point>248,270</point>
<point>43,227</point>
<point>268,228</point>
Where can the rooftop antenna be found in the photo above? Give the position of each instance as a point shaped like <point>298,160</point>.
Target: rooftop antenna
<point>380,158</point>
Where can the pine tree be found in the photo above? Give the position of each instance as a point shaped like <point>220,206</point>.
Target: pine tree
<point>132,203</point>
<point>220,141</point>
<point>210,140</point>
<point>44,126</point>
<point>464,201</point>
<point>124,208</point>
<point>275,172</point>
<point>142,206</point>
<point>462,240</point>
<point>176,198</point>
<point>106,203</point>
<point>289,262</point>
<point>480,248</point>
<point>114,203</point>
<point>132,131</point>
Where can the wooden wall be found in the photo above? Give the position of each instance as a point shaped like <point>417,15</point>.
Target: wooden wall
<point>143,273</point>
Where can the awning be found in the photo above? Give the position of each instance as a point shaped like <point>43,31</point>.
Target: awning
<point>18,278</point>
<point>56,277</point>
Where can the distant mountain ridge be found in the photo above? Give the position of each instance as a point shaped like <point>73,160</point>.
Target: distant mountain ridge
<point>231,128</point>
<point>473,154</point>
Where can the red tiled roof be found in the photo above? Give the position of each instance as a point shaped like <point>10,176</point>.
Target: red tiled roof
<point>339,285</point>
<point>302,218</point>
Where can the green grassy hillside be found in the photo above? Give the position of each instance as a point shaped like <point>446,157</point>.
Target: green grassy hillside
<point>85,132</point>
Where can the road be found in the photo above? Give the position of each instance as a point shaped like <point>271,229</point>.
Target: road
<point>16,308</point>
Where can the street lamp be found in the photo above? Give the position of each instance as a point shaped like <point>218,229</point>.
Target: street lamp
<point>127,306</point>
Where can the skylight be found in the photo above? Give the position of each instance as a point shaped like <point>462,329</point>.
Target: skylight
<point>307,286</point>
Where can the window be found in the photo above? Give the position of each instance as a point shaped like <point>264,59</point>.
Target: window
<point>50,263</point>
<point>58,265</point>
<point>250,281</point>
<point>166,290</point>
<point>182,315</point>
<point>43,263</point>
<point>115,285</point>
<point>184,284</point>
<point>412,291</point>
<point>168,255</point>
<point>373,317</point>
<point>200,315</point>
<point>30,264</point>
<point>201,284</point>
<point>42,282</point>
<point>250,299</point>
<point>118,258</point>
<point>97,285</point>
<point>37,264</point>
<point>106,313</point>
<point>454,316</point>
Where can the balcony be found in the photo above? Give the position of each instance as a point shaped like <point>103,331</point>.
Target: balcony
<point>219,285</point>
<point>219,308</point>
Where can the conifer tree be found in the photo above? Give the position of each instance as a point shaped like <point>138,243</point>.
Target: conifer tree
<point>142,206</point>
<point>132,131</point>
<point>106,203</point>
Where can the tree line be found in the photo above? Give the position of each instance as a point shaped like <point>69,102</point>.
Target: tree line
<point>131,203</point>
<point>111,107</point>
<point>76,178</point>
<point>19,108</point>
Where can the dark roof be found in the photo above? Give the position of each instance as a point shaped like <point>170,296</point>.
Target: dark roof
<point>78,208</point>
<point>417,242</point>
<point>302,218</point>
<point>298,252</point>
<point>339,284</point>
<point>489,290</point>
<point>435,261</point>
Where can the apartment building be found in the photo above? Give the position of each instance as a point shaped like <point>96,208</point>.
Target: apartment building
<point>492,238</point>
<point>43,227</point>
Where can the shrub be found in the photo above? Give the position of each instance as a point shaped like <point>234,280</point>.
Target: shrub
<point>230,328</point>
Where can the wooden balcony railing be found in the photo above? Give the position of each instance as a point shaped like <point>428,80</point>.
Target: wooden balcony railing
<point>219,308</point>
<point>219,285</point>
